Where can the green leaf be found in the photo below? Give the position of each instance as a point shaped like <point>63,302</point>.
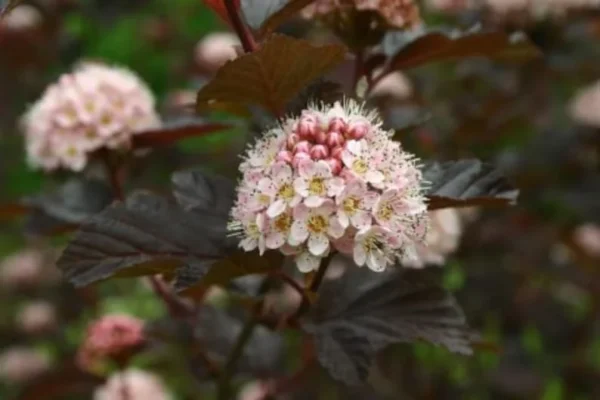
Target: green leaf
<point>272,75</point>
<point>466,183</point>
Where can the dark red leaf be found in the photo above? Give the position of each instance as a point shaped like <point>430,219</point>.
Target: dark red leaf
<point>174,132</point>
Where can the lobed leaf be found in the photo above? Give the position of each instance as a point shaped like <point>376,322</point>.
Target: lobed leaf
<point>174,132</point>
<point>272,75</point>
<point>143,236</point>
<point>74,201</point>
<point>363,312</point>
<point>426,47</point>
<point>467,183</point>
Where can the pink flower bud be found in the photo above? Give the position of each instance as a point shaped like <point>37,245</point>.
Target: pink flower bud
<point>308,126</point>
<point>285,156</point>
<point>337,152</point>
<point>291,141</point>
<point>337,124</point>
<point>358,130</point>
<point>299,158</point>
<point>335,139</point>
<point>319,152</point>
<point>335,165</point>
<point>302,147</point>
<point>321,137</point>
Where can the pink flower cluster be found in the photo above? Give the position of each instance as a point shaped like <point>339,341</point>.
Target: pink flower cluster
<point>111,337</point>
<point>397,13</point>
<point>94,107</point>
<point>133,384</point>
<point>537,9</point>
<point>331,179</point>
<point>585,107</point>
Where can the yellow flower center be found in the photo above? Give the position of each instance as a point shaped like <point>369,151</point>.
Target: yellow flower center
<point>350,205</point>
<point>385,212</point>
<point>316,187</point>
<point>106,119</point>
<point>317,224</point>
<point>89,106</point>
<point>90,134</point>
<point>264,199</point>
<point>286,192</point>
<point>283,223</point>
<point>252,230</point>
<point>72,151</point>
<point>359,166</point>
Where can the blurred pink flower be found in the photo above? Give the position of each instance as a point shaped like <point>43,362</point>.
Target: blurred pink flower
<point>113,337</point>
<point>585,108</point>
<point>256,390</point>
<point>22,18</point>
<point>133,384</point>
<point>587,236</point>
<point>37,317</point>
<point>442,239</point>
<point>23,269</point>
<point>21,364</point>
<point>92,108</point>
<point>396,86</point>
<point>397,13</point>
<point>216,49</point>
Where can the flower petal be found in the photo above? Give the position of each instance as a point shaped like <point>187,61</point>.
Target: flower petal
<point>301,186</point>
<point>275,240</point>
<point>306,262</point>
<point>361,220</point>
<point>314,201</point>
<point>318,244</point>
<point>276,208</point>
<point>298,233</point>
<point>335,186</point>
<point>336,230</point>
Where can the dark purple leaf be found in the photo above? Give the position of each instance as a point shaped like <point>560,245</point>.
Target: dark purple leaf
<point>176,131</point>
<point>146,235</point>
<point>363,312</point>
<point>198,190</point>
<point>467,183</point>
<point>74,201</point>
<point>414,49</point>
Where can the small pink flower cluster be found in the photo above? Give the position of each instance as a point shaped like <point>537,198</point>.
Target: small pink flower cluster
<point>94,107</point>
<point>585,107</point>
<point>331,178</point>
<point>397,13</point>
<point>536,9</point>
<point>111,337</point>
<point>133,384</point>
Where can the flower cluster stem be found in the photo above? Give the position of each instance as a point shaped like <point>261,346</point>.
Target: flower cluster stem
<point>224,384</point>
<point>242,30</point>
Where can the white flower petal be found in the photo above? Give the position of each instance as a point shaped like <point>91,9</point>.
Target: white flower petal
<point>335,186</point>
<point>336,230</point>
<point>318,244</point>
<point>361,220</point>
<point>298,233</point>
<point>301,186</point>
<point>314,201</point>
<point>276,208</point>
<point>275,240</point>
<point>306,262</point>
<point>359,254</point>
